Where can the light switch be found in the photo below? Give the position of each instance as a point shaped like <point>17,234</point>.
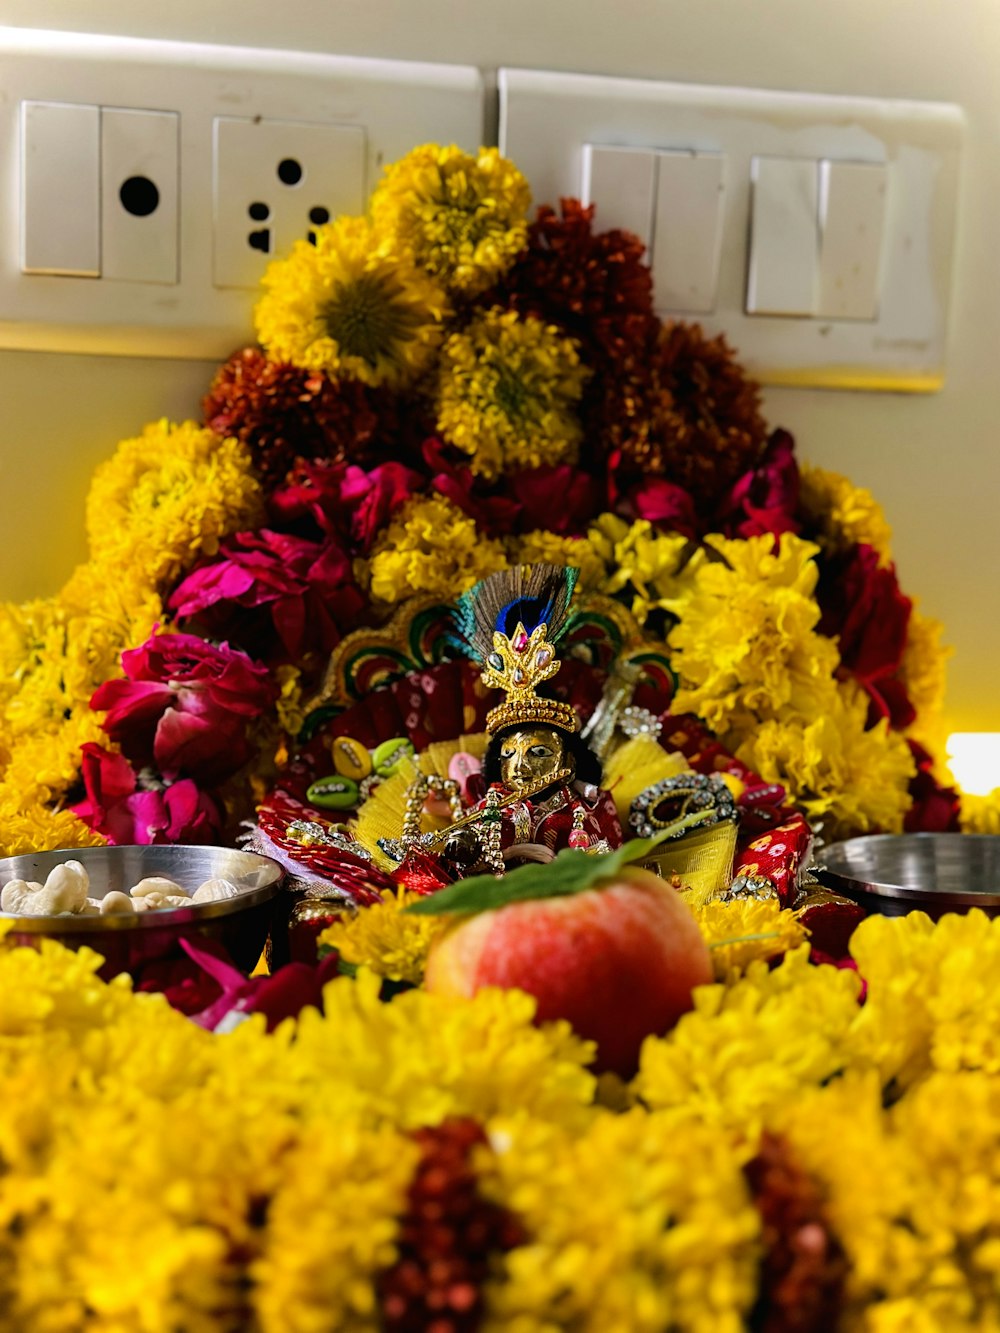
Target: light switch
<point>783,271</point>
<point>621,182</point>
<point>60,189</point>
<point>852,200</point>
<point>687,230</point>
<point>139,174</point>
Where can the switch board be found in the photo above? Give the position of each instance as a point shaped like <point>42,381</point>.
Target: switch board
<point>114,237</point>
<point>864,305</point>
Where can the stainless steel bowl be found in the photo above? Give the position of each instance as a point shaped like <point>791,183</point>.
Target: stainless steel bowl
<point>133,943</point>
<point>930,872</point>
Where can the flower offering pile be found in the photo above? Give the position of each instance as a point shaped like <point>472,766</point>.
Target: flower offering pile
<point>489,605</point>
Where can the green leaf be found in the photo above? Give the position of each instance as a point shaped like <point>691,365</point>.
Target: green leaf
<point>570,872</point>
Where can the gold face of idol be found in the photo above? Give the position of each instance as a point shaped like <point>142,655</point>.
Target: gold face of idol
<point>530,755</point>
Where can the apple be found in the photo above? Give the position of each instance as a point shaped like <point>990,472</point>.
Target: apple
<point>618,961</point>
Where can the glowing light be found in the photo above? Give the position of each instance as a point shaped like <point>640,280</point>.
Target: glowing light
<point>974,760</point>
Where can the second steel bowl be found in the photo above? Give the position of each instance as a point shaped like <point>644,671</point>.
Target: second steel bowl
<point>929,872</point>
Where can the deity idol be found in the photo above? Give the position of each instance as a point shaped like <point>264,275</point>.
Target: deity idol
<point>543,791</point>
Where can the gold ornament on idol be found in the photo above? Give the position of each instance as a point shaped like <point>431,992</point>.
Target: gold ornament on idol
<point>518,665</point>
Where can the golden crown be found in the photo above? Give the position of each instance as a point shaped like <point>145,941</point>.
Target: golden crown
<point>518,664</point>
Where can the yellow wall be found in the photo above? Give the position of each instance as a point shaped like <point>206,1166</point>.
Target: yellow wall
<point>933,462</point>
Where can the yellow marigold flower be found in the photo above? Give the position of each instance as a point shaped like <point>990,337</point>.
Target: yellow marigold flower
<point>507,393</point>
<point>425,1057</point>
<point>826,756</point>
<point>430,546</point>
<point>746,645</point>
<point>548,548</point>
<point>744,930</point>
<point>53,655</point>
<point>382,938</point>
<point>464,218</point>
<point>640,560</point>
<point>981,814</point>
<point>843,512</point>
<point>28,825</point>
<point>749,1047</point>
<point>631,1226</point>
<point>290,710</point>
<point>350,1181</point>
<point>911,1196</point>
<point>352,304</point>
<point>168,497</point>
<point>924,667</point>
<point>931,1002</point>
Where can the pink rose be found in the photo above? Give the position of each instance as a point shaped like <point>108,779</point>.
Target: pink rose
<point>665,504</point>
<point>305,589</point>
<point>118,807</point>
<point>184,706</point>
<point>765,498</point>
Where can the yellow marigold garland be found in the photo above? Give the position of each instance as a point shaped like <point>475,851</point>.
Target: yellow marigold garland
<point>631,1227</point>
<point>463,217</point>
<point>354,304</point>
<point>749,1047</point>
<point>507,392</point>
<point>641,1219</point>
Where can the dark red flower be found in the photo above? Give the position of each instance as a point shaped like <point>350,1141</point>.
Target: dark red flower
<point>804,1268</point>
<point>449,1237</point>
<point>559,498</point>
<point>282,412</point>
<point>495,514</point>
<point>593,283</point>
<point>684,410</point>
<point>312,493</point>
<point>865,610</point>
<point>765,498</point>
<point>184,706</point>
<point>306,589</point>
<point>935,808</point>
<point>125,811</point>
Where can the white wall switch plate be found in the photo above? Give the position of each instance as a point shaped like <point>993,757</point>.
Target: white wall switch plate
<point>887,329</point>
<point>60,190</point>
<point>179,279</point>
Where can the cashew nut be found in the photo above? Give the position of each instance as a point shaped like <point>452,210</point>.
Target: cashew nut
<point>116,902</point>
<point>215,890</point>
<point>156,884</point>
<point>65,890</point>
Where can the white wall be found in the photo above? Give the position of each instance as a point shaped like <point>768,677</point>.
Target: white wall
<point>933,462</point>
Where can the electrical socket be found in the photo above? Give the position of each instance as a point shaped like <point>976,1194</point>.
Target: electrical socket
<point>170,282</point>
<point>139,196</point>
<point>274,182</point>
